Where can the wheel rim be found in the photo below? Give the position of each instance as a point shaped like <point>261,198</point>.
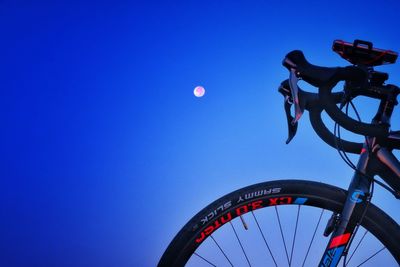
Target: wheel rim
<point>274,197</point>
<point>284,235</point>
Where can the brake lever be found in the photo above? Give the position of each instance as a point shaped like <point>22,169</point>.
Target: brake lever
<point>288,102</point>
<point>292,127</point>
<point>294,89</point>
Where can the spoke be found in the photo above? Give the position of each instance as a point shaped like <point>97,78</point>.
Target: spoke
<point>240,243</point>
<point>283,238</point>
<point>359,242</point>
<point>226,257</point>
<point>373,255</point>
<point>204,259</point>
<point>312,239</point>
<point>265,240</point>
<point>244,223</point>
<point>294,235</point>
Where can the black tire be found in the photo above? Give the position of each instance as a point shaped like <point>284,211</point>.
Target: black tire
<point>225,209</point>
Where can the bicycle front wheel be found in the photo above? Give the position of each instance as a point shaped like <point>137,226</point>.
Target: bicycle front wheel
<point>279,223</point>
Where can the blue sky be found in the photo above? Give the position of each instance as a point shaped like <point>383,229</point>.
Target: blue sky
<point>106,153</point>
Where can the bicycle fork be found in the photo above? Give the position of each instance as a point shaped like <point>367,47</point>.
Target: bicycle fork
<point>343,226</point>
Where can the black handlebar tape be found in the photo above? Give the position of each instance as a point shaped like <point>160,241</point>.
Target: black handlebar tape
<point>356,75</point>
<point>314,75</point>
<point>314,107</point>
<point>328,137</point>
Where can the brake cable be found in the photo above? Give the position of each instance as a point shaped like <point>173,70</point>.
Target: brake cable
<point>347,160</point>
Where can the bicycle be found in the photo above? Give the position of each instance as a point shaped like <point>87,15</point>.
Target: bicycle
<point>346,212</point>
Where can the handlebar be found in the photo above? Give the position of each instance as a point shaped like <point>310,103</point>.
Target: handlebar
<point>326,79</point>
<point>355,75</point>
<point>311,102</point>
<point>359,80</point>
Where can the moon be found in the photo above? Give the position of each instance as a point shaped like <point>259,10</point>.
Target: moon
<point>199,91</point>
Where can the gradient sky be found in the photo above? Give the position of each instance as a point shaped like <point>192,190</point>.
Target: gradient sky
<point>106,152</point>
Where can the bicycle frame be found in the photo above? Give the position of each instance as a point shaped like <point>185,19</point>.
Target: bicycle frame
<point>375,158</point>
<point>379,161</point>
